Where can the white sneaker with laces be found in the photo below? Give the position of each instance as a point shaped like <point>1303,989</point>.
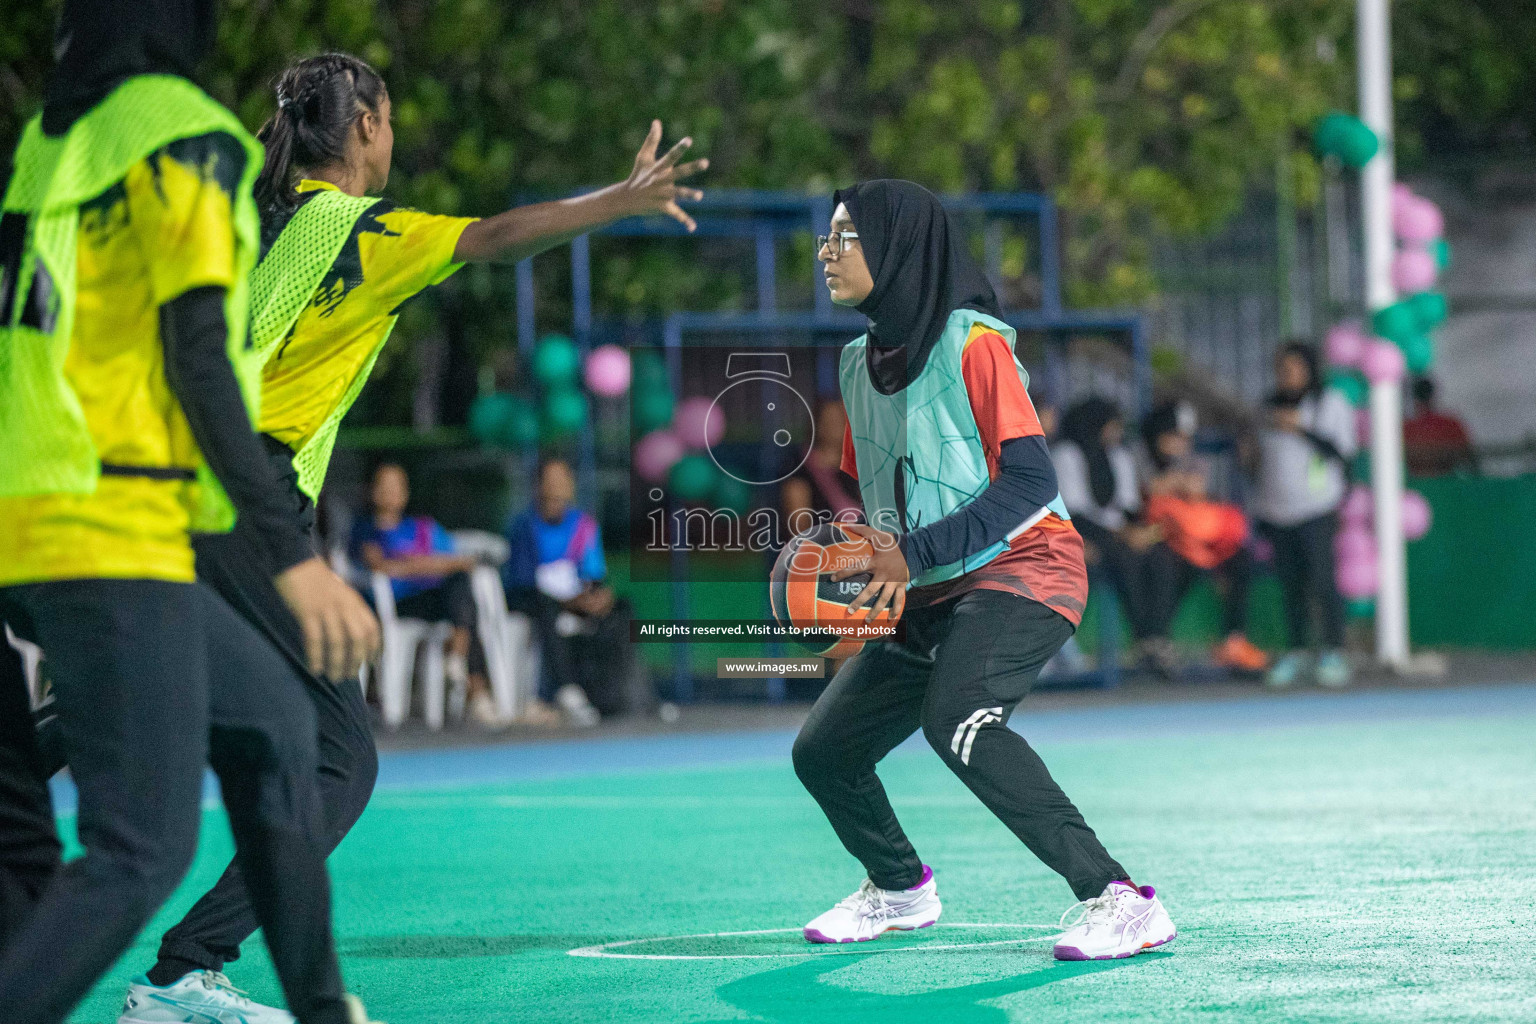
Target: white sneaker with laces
<point>1120,922</point>
<point>872,911</point>
<point>203,996</point>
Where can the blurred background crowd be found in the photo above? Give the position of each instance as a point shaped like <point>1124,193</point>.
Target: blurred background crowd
<point>1151,189</point>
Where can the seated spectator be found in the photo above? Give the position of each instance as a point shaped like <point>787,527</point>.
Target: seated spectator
<point>1200,535</point>
<point>1096,474</point>
<point>1434,443</point>
<point>819,490</point>
<point>429,581</point>
<point>554,575</point>
<point>1304,448</point>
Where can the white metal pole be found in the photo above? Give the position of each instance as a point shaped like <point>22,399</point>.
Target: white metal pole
<point>1374,47</point>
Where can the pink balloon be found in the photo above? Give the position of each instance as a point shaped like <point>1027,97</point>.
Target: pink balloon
<point>1362,426</point>
<point>699,423</point>
<point>1383,362</point>
<point>656,453</point>
<point>607,371</point>
<point>1353,544</point>
<point>1414,270</point>
<point>1357,578</point>
<point>1356,510</point>
<point>1417,515</point>
<point>1401,194</point>
<point>1418,221</point>
<point>1345,344</point>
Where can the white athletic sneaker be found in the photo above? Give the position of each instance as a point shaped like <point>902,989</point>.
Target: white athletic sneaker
<point>872,911</point>
<point>356,1012</point>
<point>1122,921</point>
<point>203,996</point>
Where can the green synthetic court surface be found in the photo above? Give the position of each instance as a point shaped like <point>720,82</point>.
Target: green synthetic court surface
<point>1353,858</point>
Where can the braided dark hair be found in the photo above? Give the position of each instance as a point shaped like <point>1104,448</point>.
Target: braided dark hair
<point>318,101</point>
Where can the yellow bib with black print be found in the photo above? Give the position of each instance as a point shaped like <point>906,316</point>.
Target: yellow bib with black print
<point>145,198</point>
<point>315,370</point>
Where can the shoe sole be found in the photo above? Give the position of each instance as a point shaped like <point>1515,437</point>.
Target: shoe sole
<point>1073,953</point>
<point>814,935</point>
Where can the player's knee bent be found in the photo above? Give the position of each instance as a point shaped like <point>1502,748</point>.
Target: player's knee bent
<point>941,726</point>
<point>818,759</point>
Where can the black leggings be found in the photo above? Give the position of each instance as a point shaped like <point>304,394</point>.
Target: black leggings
<point>211,933</point>
<point>153,680</point>
<point>1304,563</point>
<point>958,673</point>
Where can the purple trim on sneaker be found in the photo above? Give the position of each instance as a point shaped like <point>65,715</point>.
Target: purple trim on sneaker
<point>927,877</point>
<point>1147,892</point>
<point>816,935</point>
<point>1073,953</point>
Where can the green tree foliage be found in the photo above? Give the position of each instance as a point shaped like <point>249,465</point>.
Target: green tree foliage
<point>1135,114</point>
<point>1465,82</point>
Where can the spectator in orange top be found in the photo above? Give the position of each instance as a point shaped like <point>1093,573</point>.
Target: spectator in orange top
<point>1435,442</point>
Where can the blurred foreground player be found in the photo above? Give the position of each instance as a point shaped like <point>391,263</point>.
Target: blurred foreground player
<point>337,264</point>
<point>961,496</point>
<point>125,380</point>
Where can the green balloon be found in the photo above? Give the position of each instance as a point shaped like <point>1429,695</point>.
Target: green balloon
<point>731,493</point>
<point>1419,353</point>
<point>648,369</point>
<point>1440,249</point>
<point>565,412</point>
<point>1347,137</point>
<point>555,360</point>
<point>488,416</point>
<point>1396,322</point>
<point>650,408</point>
<point>693,477</point>
<point>1361,608</point>
<point>1429,310</point>
<point>1351,385</point>
<point>521,428</point>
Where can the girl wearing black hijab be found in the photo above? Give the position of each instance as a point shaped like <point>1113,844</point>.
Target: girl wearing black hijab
<point>125,390</point>
<point>972,541</point>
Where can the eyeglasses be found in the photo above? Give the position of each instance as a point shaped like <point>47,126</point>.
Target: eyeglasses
<point>836,243</point>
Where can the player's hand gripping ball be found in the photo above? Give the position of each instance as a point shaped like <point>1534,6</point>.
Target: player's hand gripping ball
<point>818,581</point>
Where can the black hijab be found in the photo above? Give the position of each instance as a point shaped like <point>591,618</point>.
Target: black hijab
<point>922,271</point>
<point>1083,425</point>
<point>102,42</point>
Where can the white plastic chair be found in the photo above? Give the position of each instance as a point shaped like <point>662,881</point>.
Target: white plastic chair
<point>400,640</point>
<point>506,636</point>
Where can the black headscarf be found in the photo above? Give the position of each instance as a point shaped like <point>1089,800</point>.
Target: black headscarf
<point>922,272</point>
<point>1083,425</point>
<point>102,42</point>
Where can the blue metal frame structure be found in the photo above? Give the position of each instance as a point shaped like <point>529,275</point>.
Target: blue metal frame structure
<point>764,217</point>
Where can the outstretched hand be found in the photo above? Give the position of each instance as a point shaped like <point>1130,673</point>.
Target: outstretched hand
<point>652,187</point>
<point>888,568</point>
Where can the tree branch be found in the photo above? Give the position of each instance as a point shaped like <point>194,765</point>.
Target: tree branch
<point>1147,42</point>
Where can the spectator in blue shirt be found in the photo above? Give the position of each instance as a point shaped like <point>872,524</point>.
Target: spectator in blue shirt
<point>429,580</point>
<point>554,574</point>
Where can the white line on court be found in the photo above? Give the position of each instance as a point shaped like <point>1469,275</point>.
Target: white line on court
<point>604,949</point>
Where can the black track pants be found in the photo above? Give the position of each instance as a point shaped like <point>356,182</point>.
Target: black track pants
<point>211,933</point>
<point>153,680</point>
<point>958,674</point>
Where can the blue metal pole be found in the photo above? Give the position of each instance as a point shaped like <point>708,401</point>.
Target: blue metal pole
<point>1050,259</point>
<point>581,291</point>
<point>682,653</point>
<point>767,270</point>
<point>821,218</point>
<point>581,317</point>
<point>525,321</point>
